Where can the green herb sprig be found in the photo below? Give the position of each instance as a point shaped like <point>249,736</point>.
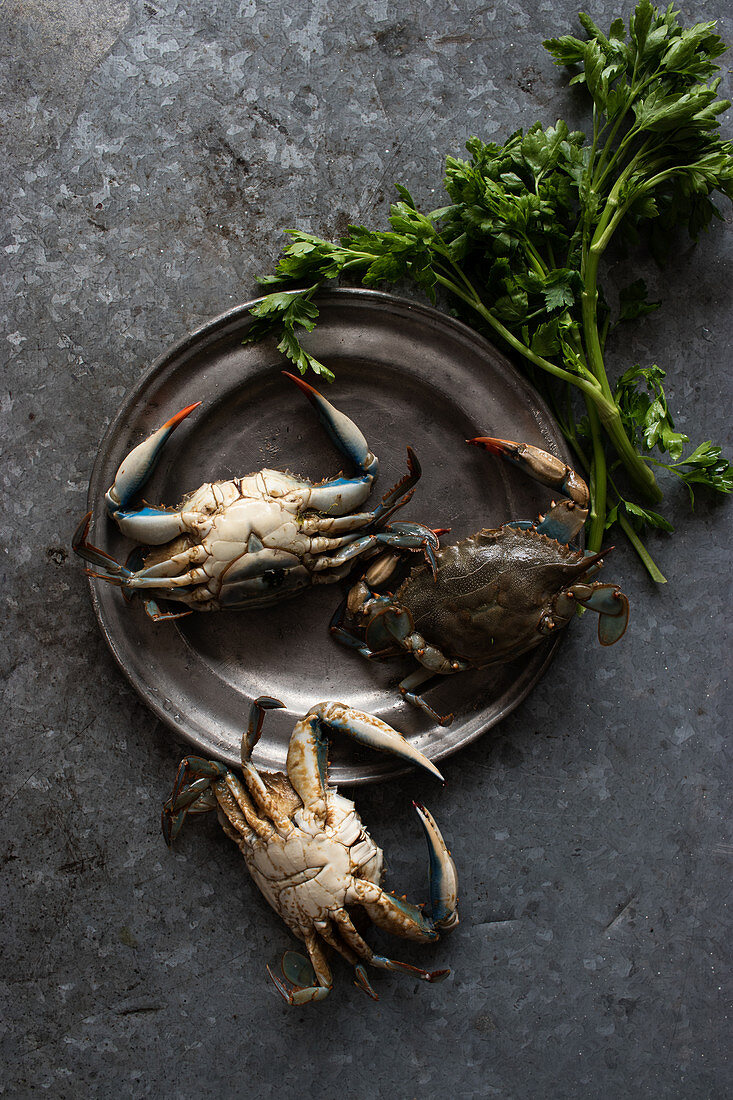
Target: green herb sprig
<point>519,246</point>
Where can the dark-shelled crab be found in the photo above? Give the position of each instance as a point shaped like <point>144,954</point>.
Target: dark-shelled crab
<point>491,596</point>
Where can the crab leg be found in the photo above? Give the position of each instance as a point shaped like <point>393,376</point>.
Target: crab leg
<point>352,937</point>
<point>311,981</point>
<point>405,536</point>
<point>235,826</point>
<point>112,570</point>
<point>255,785</point>
<point>153,611</point>
<point>345,637</point>
<point>414,680</point>
<point>175,564</point>
<point>199,785</point>
<point>187,792</point>
<point>565,519</point>
<point>239,821</point>
<point>400,625</point>
<point>232,787</point>
<point>612,607</point>
<point>324,929</point>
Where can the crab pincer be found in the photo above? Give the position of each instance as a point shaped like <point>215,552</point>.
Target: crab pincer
<point>340,428</point>
<point>146,524</point>
<point>564,520</point>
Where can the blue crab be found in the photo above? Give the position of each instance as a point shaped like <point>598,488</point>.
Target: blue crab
<point>251,540</point>
<point>308,852</point>
<point>491,596</point>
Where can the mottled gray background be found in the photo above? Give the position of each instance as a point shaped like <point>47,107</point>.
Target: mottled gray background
<point>153,152</point>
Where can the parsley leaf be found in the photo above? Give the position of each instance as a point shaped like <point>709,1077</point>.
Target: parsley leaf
<point>705,466</point>
<point>284,312</point>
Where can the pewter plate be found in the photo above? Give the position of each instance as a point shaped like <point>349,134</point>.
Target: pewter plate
<point>406,374</point>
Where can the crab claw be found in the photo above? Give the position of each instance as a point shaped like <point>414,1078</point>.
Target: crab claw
<point>539,464</point>
<point>372,732</point>
<point>443,877</point>
<point>341,429</point>
<point>139,464</point>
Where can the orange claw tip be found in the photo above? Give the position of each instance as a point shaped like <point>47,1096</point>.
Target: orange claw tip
<point>301,384</point>
<point>440,531</point>
<point>495,445</point>
<point>179,416</point>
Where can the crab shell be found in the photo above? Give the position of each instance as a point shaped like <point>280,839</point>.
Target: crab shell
<point>495,594</point>
<point>307,873</point>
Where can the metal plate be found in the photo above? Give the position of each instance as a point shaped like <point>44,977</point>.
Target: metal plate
<point>406,374</point>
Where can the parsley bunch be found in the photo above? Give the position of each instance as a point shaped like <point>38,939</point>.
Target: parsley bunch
<point>518,250</point>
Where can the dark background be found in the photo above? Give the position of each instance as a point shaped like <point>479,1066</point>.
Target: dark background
<point>153,153</point>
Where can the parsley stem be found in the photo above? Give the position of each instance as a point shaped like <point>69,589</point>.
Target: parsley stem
<point>588,385</point>
<point>567,424</point>
<point>597,517</point>
<point>638,471</point>
<point>649,564</point>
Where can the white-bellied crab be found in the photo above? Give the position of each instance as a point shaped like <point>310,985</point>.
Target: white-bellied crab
<point>308,852</point>
<point>491,596</point>
<point>249,541</point>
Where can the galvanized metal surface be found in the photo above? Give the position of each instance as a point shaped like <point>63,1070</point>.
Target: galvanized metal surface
<point>405,373</point>
<point>153,157</point>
